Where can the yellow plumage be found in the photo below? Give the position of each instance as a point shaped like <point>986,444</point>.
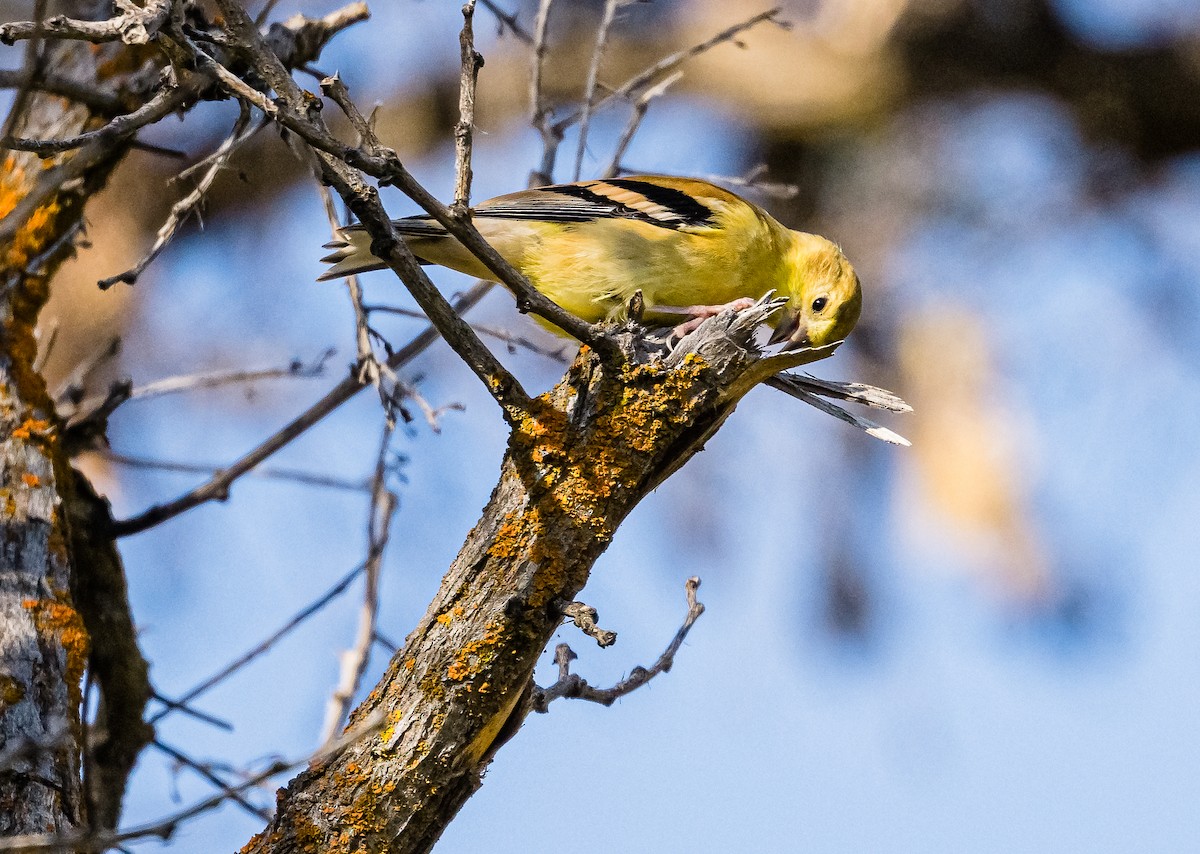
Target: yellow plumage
<point>689,246</point>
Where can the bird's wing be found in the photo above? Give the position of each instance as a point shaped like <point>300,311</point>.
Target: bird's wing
<point>643,198</point>
<point>678,204</point>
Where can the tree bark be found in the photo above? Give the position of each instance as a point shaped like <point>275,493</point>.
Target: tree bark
<point>585,455</point>
<point>44,637</point>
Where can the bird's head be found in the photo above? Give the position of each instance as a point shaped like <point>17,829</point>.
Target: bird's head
<point>825,297</point>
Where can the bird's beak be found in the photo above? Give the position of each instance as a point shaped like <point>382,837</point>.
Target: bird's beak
<point>791,330</point>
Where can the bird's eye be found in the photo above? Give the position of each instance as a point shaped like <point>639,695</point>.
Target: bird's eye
<point>819,304</point>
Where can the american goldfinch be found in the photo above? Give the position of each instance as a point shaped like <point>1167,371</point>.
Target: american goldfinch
<point>691,248</point>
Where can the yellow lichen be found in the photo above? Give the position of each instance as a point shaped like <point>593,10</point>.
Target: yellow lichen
<point>11,690</point>
<point>29,427</point>
<point>476,654</point>
<point>58,618</point>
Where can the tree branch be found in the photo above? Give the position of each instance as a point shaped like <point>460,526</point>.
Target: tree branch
<point>576,687</point>
<point>462,684</point>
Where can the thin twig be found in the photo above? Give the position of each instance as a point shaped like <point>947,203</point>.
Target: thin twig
<point>89,96</point>
<point>268,7</point>
<point>389,645</point>
<point>292,475</point>
<point>189,204</point>
<point>539,111</point>
<point>788,384</point>
<point>166,101</point>
<point>266,644</point>
<point>368,367</point>
<point>67,396</point>
<point>669,63</point>
<point>205,162</point>
<point>355,660</point>
<point>472,61</point>
<point>192,712</point>
<point>218,487</point>
<point>509,20</point>
<point>511,339</point>
<point>208,774</point>
<point>34,70</point>
<point>635,120</point>
<point>137,25</point>
<point>589,90</point>
<point>584,617</point>
<point>576,687</point>
<point>753,180</point>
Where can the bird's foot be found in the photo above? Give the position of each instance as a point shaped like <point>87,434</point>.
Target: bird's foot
<point>697,314</point>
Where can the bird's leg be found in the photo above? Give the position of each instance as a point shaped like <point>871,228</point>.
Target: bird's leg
<point>697,314</point>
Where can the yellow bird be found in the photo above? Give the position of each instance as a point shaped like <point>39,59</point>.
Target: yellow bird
<point>693,249</point>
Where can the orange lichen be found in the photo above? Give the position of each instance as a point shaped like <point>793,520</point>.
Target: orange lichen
<point>29,427</point>
<point>476,654</point>
<point>31,480</point>
<point>58,618</point>
<point>444,618</point>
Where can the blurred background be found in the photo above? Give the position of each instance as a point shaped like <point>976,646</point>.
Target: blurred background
<point>987,642</point>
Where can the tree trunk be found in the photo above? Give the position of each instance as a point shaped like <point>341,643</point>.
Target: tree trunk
<point>44,645</point>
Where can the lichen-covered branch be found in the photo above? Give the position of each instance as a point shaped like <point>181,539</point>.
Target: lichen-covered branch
<point>44,639</point>
<point>587,453</point>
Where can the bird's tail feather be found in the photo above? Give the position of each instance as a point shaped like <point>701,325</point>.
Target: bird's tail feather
<point>352,247</point>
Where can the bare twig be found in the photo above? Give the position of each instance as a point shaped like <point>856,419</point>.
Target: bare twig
<point>753,180</point>
<point>185,207</point>
<point>589,90</point>
<point>72,408</point>
<point>208,774</point>
<point>671,62</point>
<point>192,712</point>
<point>584,617</point>
<point>635,120</point>
<point>368,367</point>
<point>540,112</point>
<point>386,244</point>
<point>803,390</point>
<point>355,660</point>
<point>292,475</point>
<point>75,386</point>
<point>575,686</point>
<point>267,9</point>
<point>166,101</point>
<point>389,645</point>
<point>220,154</point>
<point>472,61</point>
<point>267,643</point>
<point>218,487</point>
<point>508,20</point>
<point>561,353</point>
<point>137,25</point>
<point>34,71</point>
